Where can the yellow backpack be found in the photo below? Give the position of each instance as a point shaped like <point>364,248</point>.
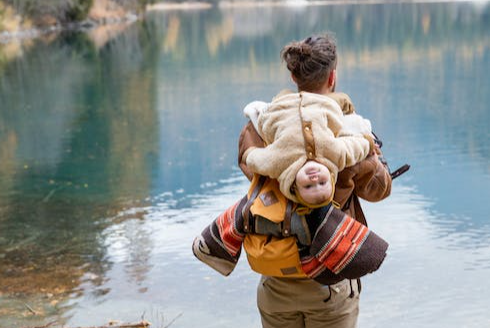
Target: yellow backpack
<point>266,254</point>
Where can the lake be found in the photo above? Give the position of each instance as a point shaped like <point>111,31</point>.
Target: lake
<point>119,145</point>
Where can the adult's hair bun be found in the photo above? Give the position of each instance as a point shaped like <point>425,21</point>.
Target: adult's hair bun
<point>305,49</point>
<point>311,60</point>
<point>296,53</point>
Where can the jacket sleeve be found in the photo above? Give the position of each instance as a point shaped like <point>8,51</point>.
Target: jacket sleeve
<point>345,151</point>
<point>369,179</point>
<point>275,160</point>
<point>265,161</point>
<point>248,138</point>
<point>373,180</point>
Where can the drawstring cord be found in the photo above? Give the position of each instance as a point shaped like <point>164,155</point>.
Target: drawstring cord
<point>329,295</point>
<point>351,295</point>
<point>359,287</point>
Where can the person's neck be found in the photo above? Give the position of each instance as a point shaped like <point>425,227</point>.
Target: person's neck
<point>321,91</point>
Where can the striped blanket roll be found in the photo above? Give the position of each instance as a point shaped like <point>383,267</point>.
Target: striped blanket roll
<point>219,245</point>
<point>341,247</point>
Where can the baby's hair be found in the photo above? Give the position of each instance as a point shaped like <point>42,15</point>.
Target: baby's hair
<point>311,60</point>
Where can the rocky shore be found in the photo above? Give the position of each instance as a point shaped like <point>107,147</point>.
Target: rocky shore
<point>25,22</point>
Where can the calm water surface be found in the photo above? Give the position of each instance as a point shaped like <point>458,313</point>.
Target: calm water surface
<point>118,146</point>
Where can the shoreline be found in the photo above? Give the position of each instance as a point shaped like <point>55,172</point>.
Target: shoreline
<point>83,26</point>
<point>314,3</point>
<point>130,17</point>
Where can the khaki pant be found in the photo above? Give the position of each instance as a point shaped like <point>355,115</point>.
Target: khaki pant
<point>304,303</point>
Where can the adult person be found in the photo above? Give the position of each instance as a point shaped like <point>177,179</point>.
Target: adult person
<point>303,302</point>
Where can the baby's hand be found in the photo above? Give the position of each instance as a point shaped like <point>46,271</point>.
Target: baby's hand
<point>356,124</point>
<point>253,109</point>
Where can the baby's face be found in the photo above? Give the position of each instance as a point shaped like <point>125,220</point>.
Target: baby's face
<point>313,183</point>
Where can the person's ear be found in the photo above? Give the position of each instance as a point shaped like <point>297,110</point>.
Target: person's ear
<point>294,78</point>
<point>332,79</point>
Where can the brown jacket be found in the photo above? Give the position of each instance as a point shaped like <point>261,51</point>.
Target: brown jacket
<point>369,179</point>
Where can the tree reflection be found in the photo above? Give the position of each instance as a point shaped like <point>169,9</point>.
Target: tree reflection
<point>77,136</point>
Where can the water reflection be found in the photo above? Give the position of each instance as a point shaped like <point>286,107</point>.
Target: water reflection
<point>77,149</point>
<point>117,148</point>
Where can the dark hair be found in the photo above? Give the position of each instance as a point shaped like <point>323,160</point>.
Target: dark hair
<point>311,60</point>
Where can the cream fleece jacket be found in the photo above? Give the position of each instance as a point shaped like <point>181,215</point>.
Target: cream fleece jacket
<point>279,125</point>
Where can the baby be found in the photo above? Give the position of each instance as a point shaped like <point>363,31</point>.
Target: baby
<point>309,141</point>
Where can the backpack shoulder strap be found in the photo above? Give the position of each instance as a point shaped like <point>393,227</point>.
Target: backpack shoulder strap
<point>251,198</point>
<point>286,224</point>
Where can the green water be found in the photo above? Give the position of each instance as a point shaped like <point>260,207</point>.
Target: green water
<point>116,151</point>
